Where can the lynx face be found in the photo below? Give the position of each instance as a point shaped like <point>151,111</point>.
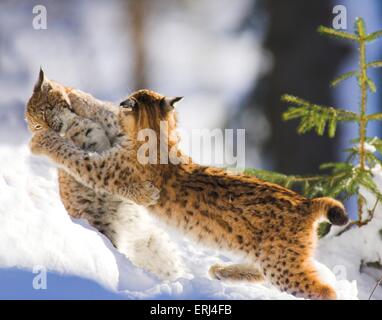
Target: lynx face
<point>48,106</point>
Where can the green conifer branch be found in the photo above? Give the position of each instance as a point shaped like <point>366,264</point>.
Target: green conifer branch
<point>371,85</point>
<point>345,178</point>
<point>374,64</point>
<point>373,36</point>
<point>313,116</point>
<point>288,181</point>
<point>374,116</point>
<point>337,34</point>
<point>363,79</point>
<point>343,77</point>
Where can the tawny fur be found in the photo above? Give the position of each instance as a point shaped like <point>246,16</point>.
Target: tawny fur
<point>51,106</point>
<point>273,227</point>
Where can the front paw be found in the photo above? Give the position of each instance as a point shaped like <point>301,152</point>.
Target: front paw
<point>145,194</point>
<point>40,141</point>
<point>36,143</point>
<point>150,194</point>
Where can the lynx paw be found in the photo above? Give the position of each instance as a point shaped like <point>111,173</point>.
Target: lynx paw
<point>149,194</point>
<point>145,194</point>
<point>215,272</point>
<point>236,272</point>
<point>38,142</point>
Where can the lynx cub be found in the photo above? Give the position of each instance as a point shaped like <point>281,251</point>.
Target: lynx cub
<point>272,227</point>
<point>51,105</point>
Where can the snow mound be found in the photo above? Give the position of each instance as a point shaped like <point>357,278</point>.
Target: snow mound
<point>36,231</point>
<point>347,253</point>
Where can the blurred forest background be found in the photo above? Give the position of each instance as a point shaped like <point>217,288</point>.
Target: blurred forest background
<point>232,60</point>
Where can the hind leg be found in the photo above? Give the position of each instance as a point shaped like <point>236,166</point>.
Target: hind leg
<point>145,244</point>
<point>293,272</point>
<point>236,272</point>
<point>305,282</point>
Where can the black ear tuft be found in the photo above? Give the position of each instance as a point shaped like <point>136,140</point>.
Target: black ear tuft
<point>129,104</point>
<point>168,103</point>
<point>40,80</point>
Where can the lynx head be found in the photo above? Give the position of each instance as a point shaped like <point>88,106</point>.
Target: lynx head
<point>49,99</point>
<point>145,109</point>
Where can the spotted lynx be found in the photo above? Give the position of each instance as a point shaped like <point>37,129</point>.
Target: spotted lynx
<point>271,227</point>
<point>52,105</point>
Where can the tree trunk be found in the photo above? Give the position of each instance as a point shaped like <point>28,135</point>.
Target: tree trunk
<point>137,11</point>
<point>303,64</point>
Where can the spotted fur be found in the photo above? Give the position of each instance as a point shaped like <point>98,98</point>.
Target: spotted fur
<point>272,227</point>
<point>52,106</point>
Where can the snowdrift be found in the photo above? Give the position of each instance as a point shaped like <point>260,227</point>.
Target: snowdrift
<point>36,232</point>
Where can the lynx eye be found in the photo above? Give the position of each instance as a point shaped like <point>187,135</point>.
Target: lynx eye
<point>38,126</point>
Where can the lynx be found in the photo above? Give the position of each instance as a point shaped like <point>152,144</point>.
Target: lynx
<point>272,228</point>
<point>51,106</point>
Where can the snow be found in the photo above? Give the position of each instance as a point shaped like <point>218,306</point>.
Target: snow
<point>36,231</point>
<point>205,60</point>
<point>369,148</point>
<point>347,251</point>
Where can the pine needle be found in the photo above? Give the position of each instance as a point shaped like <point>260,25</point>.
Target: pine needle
<point>337,34</point>
<point>343,77</point>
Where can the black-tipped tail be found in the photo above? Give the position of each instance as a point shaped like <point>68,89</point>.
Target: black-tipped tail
<point>332,209</point>
<point>337,216</point>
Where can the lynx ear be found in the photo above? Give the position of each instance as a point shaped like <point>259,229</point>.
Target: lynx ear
<point>40,81</point>
<point>168,103</point>
<point>129,104</point>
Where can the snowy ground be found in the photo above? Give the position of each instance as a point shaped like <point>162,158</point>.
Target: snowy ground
<point>209,63</point>
<point>35,232</point>
<point>345,253</point>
